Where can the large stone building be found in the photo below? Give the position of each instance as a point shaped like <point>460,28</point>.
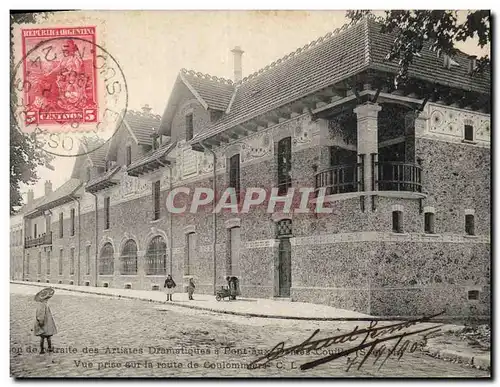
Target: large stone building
<point>403,176</point>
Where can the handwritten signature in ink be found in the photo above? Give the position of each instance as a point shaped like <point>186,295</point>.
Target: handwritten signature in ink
<point>374,336</point>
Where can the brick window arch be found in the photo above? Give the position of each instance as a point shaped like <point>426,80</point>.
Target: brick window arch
<point>156,256</point>
<point>106,262</point>
<point>128,258</point>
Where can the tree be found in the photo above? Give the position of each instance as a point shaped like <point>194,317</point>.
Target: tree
<point>440,30</point>
<point>25,155</point>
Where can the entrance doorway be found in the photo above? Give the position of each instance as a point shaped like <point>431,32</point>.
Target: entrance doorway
<point>284,264</point>
<point>234,256</point>
<point>285,267</point>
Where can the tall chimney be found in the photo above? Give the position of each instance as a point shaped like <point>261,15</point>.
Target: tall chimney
<point>146,109</point>
<point>48,187</point>
<point>237,54</point>
<point>30,196</point>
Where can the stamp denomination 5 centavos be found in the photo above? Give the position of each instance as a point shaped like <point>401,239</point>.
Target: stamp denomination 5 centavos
<point>68,91</point>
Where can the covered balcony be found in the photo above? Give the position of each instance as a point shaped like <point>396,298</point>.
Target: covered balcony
<point>43,240</point>
<point>389,176</point>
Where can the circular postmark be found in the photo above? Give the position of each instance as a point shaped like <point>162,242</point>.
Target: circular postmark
<point>68,93</point>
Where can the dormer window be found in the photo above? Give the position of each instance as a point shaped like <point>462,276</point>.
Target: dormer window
<point>189,126</point>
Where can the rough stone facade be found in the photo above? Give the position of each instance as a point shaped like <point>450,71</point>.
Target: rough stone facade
<point>349,258</point>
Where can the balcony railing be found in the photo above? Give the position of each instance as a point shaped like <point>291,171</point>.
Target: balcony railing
<point>399,176</point>
<point>338,179</point>
<point>45,239</point>
<point>392,176</point>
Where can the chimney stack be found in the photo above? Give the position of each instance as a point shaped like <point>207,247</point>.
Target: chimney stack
<point>472,63</point>
<point>146,109</point>
<point>48,187</point>
<point>30,196</point>
<point>237,54</point>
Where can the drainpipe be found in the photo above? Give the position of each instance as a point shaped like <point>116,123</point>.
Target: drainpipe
<point>79,237</point>
<point>214,215</point>
<point>96,240</point>
<point>170,248</point>
<point>23,240</point>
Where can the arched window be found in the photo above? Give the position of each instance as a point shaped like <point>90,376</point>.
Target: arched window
<point>106,264</point>
<point>156,256</point>
<point>129,258</point>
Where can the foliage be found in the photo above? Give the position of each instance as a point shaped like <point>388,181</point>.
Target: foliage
<point>25,155</point>
<point>439,30</point>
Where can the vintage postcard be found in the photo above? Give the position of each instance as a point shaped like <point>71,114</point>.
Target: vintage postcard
<point>250,194</point>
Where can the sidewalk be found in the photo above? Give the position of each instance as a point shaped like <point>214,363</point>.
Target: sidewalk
<point>444,346</point>
<point>248,307</point>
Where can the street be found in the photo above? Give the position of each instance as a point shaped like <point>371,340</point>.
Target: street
<point>108,337</point>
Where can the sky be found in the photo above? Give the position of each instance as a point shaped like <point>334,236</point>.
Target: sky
<point>152,46</point>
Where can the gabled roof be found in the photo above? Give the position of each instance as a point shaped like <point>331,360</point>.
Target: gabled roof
<point>102,181</point>
<point>211,92</point>
<point>60,196</point>
<point>331,59</point>
<point>150,161</point>
<point>215,92</point>
<point>142,125</point>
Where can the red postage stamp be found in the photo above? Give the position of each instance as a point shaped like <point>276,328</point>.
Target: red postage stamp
<point>59,69</point>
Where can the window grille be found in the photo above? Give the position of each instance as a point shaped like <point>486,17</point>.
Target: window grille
<point>129,258</point>
<point>156,256</point>
<point>106,264</point>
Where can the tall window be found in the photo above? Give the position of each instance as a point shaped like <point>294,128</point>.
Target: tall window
<point>61,252</point>
<point>468,132</point>
<point>27,263</point>
<point>397,221</point>
<point>72,261</point>
<point>284,165</point>
<point>39,271</point>
<point>156,200</point>
<point>48,262</point>
<point>429,222</point>
<point>129,258</point>
<point>35,231</point>
<point>72,222</point>
<point>106,213</point>
<point>61,225</point>
<point>129,155</point>
<point>156,256</point>
<point>106,263</point>
<point>469,224</point>
<point>87,259</point>
<point>189,126</point>
<point>234,174</point>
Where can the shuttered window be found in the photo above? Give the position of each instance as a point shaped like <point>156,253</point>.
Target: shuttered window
<point>234,174</point>
<point>284,165</point>
<point>156,200</point>
<point>106,213</point>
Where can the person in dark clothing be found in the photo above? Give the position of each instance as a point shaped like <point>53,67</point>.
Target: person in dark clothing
<point>191,288</point>
<point>233,286</point>
<point>169,287</point>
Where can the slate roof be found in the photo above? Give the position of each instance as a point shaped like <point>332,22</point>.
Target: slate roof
<point>142,125</point>
<point>328,60</point>
<point>102,181</point>
<point>138,164</point>
<point>59,196</point>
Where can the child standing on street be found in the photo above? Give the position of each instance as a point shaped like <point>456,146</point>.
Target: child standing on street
<point>45,326</point>
<point>191,289</point>
<point>169,287</point>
